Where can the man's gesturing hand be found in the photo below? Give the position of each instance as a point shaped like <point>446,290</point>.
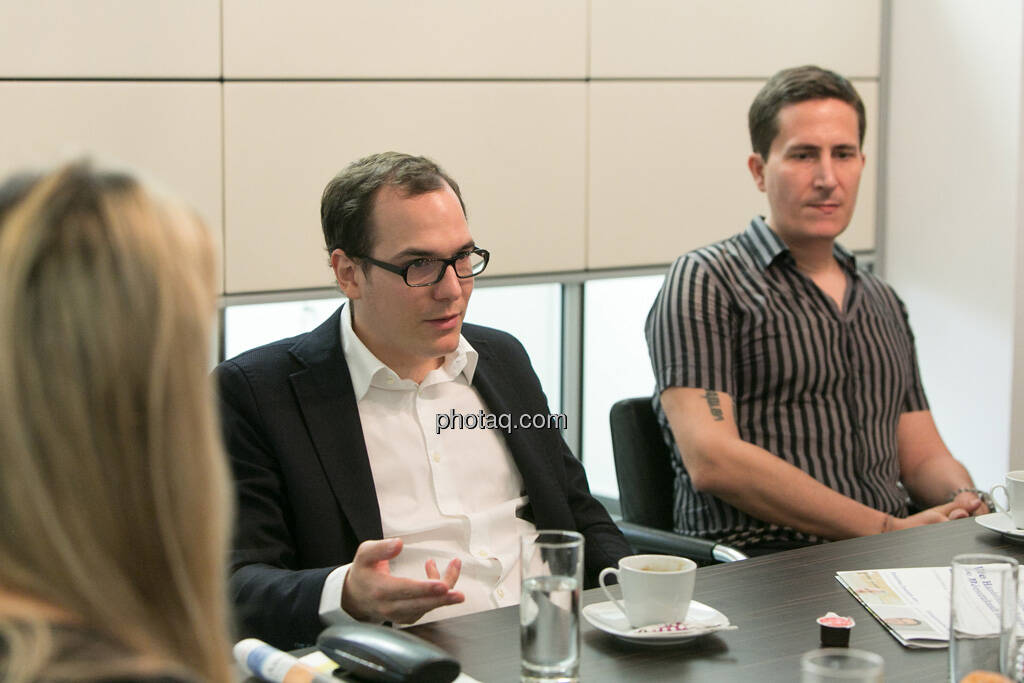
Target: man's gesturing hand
<point>371,593</point>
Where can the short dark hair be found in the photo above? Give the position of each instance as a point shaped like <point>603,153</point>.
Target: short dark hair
<point>348,199</point>
<point>792,86</point>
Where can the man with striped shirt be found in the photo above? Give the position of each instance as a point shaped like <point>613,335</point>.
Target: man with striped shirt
<point>787,378</point>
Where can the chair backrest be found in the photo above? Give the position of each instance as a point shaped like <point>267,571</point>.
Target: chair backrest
<point>642,464</point>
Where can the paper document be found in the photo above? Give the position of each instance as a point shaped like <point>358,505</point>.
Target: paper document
<point>913,603</point>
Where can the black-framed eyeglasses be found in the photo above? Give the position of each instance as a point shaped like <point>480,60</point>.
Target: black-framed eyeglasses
<point>424,272</point>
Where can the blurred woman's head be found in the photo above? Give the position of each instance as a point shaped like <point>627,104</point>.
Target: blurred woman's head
<point>113,488</point>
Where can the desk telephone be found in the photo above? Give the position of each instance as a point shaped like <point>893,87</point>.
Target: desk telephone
<point>378,653</point>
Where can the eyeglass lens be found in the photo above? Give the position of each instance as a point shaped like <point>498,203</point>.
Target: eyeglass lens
<point>429,271</point>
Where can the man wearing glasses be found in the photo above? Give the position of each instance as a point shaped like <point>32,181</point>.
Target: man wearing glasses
<point>351,504</point>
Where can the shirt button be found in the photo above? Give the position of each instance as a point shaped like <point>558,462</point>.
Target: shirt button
<point>501,593</point>
<point>482,552</point>
<point>436,457</point>
<point>391,380</point>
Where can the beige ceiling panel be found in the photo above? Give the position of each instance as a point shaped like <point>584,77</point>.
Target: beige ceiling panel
<point>168,133</point>
<point>733,38</point>
<point>405,39</point>
<point>516,149</point>
<point>668,170</point>
<point>110,39</point>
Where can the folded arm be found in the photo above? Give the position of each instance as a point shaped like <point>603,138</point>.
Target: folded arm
<point>928,470</point>
<point>764,486</point>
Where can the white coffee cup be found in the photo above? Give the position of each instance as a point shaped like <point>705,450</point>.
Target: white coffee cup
<point>656,589</point>
<point>1014,492</point>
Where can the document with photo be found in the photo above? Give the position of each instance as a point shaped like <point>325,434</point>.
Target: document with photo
<point>913,603</point>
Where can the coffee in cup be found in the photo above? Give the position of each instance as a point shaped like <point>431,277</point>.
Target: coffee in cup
<point>656,589</point>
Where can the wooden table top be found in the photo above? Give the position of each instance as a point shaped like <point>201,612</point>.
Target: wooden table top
<point>774,600</point>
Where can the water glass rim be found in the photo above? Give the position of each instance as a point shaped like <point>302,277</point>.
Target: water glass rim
<point>569,538</point>
<point>984,558</point>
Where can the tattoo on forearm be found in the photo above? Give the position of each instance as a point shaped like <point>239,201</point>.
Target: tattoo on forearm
<point>714,405</point>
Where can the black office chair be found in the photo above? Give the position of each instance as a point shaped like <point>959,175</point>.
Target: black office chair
<point>645,478</point>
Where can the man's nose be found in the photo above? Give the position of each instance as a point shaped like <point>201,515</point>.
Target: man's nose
<point>825,175</point>
<point>449,286</point>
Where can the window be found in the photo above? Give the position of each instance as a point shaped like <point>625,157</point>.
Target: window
<point>247,326</point>
<point>615,362</point>
<point>615,365</point>
<point>532,314</point>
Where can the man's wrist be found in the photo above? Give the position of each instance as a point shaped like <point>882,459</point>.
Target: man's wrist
<point>331,610</point>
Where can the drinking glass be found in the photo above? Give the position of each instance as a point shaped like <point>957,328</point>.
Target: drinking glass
<point>983,615</point>
<point>551,570</point>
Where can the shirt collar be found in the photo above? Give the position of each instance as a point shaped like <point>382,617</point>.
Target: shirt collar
<point>765,246</point>
<point>845,257</point>
<point>364,367</point>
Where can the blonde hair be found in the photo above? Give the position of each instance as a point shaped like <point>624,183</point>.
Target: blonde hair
<point>114,495</point>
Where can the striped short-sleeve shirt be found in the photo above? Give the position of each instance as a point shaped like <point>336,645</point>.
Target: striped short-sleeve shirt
<point>821,388</point>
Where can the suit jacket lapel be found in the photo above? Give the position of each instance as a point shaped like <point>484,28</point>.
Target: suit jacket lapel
<point>326,398</point>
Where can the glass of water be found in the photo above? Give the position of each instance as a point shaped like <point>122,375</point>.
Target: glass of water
<point>983,615</point>
<point>551,569</point>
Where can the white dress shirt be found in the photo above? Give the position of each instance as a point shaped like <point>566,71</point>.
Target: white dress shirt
<point>447,495</point>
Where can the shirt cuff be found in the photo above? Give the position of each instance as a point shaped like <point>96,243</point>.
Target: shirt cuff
<point>330,598</point>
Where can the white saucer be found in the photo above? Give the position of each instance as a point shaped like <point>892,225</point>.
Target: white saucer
<point>1001,522</point>
<point>700,620</point>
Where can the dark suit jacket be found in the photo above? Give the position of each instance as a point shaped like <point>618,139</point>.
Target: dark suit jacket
<point>306,496</point>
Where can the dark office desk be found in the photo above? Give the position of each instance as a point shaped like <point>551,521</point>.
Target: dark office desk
<point>774,601</point>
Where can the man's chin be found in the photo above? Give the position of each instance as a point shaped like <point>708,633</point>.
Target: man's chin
<point>825,229</point>
<point>449,341</point>
<point>834,223</point>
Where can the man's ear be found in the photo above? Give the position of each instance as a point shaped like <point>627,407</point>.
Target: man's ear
<point>345,272</point>
<point>756,165</point>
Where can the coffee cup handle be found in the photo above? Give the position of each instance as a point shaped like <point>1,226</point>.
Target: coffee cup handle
<point>1000,508</point>
<point>600,579</point>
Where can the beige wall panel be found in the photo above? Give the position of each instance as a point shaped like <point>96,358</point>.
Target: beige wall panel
<point>516,149</point>
<point>862,233</point>
<point>167,132</point>
<point>405,39</point>
<point>668,170</point>
<point>732,38</point>
<point>110,38</point>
